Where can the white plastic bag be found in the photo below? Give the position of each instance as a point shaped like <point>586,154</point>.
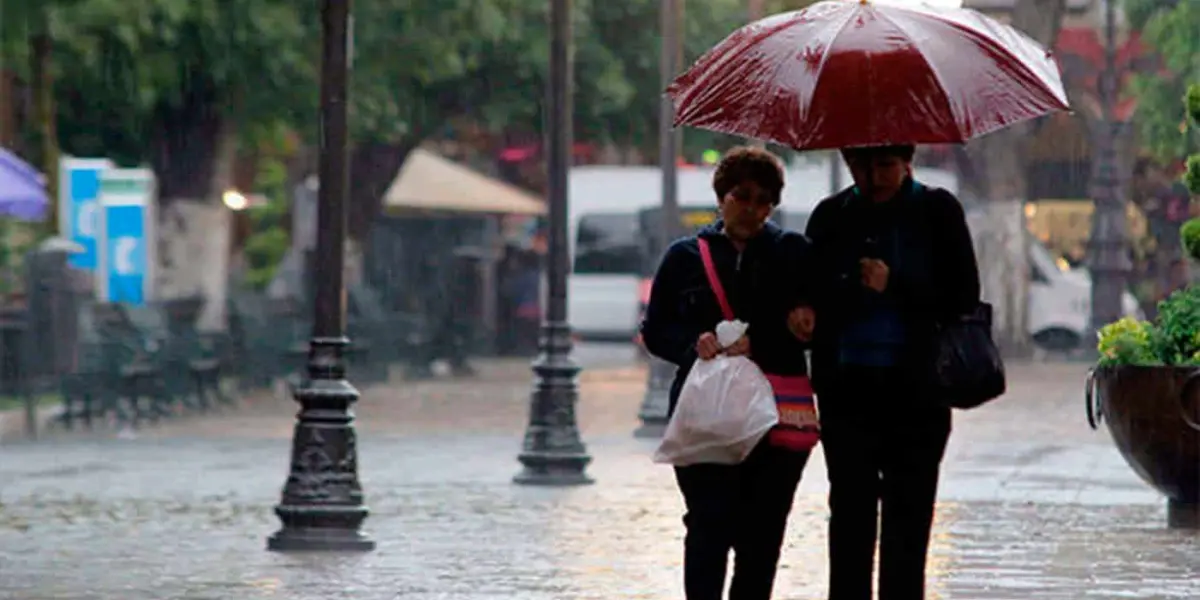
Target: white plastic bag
<point>724,410</point>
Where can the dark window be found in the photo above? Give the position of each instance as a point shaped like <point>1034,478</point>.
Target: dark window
<point>606,244</point>
<point>694,218</point>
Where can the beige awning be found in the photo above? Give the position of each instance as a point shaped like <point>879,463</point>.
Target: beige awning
<point>430,182</point>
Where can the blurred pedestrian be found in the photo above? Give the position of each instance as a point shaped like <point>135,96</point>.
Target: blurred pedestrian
<point>447,315</point>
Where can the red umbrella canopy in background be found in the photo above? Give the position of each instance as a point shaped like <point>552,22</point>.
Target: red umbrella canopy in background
<point>851,73</point>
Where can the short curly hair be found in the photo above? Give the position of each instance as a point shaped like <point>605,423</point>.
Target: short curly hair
<point>747,163</point>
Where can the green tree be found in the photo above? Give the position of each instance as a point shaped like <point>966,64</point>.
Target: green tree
<point>430,68</point>
<point>1190,231</point>
<point>268,241</point>
<point>26,36</point>
<point>631,29</point>
<point>1169,28</point>
<point>993,170</point>
<point>484,64</point>
<point>180,79</point>
<point>178,84</point>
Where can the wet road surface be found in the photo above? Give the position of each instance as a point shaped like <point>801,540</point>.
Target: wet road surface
<point>1033,505</point>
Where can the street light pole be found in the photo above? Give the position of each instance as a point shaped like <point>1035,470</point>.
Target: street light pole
<point>1109,262</point>
<point>656,400</point>
<point>322,502</point>
<point>668,136</point>
<point>553,453</point>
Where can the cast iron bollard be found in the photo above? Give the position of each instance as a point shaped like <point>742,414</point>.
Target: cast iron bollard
<point>656,401</point>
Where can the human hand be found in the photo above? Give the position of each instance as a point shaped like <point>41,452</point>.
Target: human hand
<point>707,347</point>
<point>740,347</point>
<point>801,322</point>
<point>874,273</point>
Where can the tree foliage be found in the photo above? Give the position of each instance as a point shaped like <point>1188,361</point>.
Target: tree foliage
<point>154,81</point>
<point>1169,27</point>
<point>158,81</point>
<point>1190,232</point>
<point>486,62</point>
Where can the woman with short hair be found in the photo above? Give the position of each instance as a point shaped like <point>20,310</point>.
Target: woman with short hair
<point>743,507</point>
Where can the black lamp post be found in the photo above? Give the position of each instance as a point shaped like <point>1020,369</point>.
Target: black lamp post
<point>553,452</point>
<point>322,505</point>
<point>1109,258</point>
<point>660,373</point>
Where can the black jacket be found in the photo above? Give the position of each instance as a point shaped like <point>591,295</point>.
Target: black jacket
<point>763,284</point>
<point>938,276</point>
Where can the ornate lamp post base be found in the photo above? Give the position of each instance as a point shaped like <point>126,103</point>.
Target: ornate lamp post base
<point>553,453</point>
<point>317,539</point>
<point>656,402</point>
<point>553,471</point>
<point>322,506</point>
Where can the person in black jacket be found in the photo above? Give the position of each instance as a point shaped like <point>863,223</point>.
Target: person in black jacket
<point>894,257</point>
<point>741,507</point>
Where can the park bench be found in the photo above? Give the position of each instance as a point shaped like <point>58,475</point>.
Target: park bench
<point>116,374</point>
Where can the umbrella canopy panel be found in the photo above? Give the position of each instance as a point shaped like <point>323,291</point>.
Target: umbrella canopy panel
<point>839,74</point>
<point>22,192</point>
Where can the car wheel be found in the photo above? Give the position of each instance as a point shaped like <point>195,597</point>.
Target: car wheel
<point>1057,339</point>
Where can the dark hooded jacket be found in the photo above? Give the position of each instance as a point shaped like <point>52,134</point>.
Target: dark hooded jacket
<point>763,284</point>
<point>933,272</point>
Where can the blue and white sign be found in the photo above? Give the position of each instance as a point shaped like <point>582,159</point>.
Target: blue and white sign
<point>79,207</point>
<point>126,251</point>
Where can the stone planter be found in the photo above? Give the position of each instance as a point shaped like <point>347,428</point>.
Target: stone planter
<point>1153,414</point>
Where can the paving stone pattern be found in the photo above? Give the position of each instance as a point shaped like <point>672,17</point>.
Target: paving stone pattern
<point>1034,505</point>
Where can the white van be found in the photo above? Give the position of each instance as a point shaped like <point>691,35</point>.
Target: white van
<point>607,256</point>
<point>1060,301</point>
<point>607,282</point>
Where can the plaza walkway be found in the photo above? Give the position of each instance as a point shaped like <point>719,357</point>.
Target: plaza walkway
<point>1034,505</point>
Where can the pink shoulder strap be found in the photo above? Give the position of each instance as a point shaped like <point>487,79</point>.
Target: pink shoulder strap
<point>710,270</point>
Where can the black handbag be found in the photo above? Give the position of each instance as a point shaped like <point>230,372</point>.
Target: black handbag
<point>967,368</point>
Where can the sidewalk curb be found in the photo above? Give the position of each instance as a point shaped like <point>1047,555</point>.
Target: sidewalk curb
<point>509,376</point>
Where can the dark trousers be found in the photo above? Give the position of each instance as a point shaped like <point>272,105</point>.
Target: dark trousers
<point>883,447</point>
<point>743,508</point>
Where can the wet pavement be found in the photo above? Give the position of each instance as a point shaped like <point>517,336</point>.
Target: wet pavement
<point>1033,505</point>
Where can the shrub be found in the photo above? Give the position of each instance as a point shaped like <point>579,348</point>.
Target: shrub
<point>1128,342</point>
<point>1190,234</point>
<point>1178,327</point>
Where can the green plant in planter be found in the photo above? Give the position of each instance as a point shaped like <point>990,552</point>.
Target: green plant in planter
<point>1178,327</point>
<point>1172,340</point>
<point>1128,342</point>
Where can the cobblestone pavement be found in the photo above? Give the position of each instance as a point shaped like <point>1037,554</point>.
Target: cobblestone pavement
<point>1033,505</point>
